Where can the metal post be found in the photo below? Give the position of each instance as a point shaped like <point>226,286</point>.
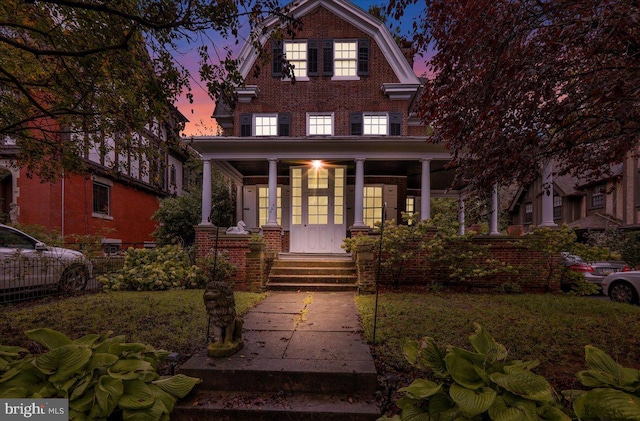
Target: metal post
<point>375,314</point>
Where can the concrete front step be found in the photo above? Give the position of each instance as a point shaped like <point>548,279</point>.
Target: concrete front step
<point>313,274</point>
<point>241,406</point>
<point>274,375</point>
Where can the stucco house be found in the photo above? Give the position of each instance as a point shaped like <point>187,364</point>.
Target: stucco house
<point>116,205</point>
<point>610,202</point>
<point>315,160</point>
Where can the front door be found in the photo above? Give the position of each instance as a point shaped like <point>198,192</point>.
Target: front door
<point>318,223</point>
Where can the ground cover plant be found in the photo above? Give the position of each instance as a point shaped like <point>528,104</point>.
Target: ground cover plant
<point>553,329</point>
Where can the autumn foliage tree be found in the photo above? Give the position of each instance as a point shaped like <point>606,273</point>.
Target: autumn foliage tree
<point>94,69</point>
<point>514,84</point>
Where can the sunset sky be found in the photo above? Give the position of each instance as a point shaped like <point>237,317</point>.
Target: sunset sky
<point>199,112</point>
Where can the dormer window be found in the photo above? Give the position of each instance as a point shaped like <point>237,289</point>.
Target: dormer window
<point>296,54</point>
<point>340,59</point>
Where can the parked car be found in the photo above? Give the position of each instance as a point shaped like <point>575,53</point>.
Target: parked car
<point>623,287</point>
<point>29,265</point>
<point>594,272</point>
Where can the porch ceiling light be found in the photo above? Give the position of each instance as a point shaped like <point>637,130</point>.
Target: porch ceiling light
<point>317,164</point>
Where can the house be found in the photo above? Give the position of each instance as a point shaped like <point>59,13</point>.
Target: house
<point>315,160</point>
<point>116,205</point>
<point>611,202</point>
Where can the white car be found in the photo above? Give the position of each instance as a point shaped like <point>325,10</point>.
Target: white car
<point>623,287</point>
<point>28,265</point>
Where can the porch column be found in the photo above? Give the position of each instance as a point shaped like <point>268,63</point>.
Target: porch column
<point>493,223</point>
<point>358,206</point>
<point>425,194</point>
<point>461,229</point>
<point>272,219</point>
<point>206,192</point>
<point>547,196</point>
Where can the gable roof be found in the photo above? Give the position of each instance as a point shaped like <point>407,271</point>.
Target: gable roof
<point>350,13</point>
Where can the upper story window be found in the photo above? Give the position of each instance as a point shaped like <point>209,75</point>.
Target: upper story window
<point>320,124</point>
<point>265,124</point>
<point>296,54</point>
<point>597,197</point>
<point>376,124</point>
<point>340,59</point>
<point>345,58</point>
<point>101,197</point>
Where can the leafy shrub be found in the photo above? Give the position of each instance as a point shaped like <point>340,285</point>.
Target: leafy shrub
<point>157,269</point>
<point>99,375</point>
<point>479,384</point>
<point>614,393</point>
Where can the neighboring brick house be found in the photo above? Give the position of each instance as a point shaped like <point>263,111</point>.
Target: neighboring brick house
<point>316,159</point>
<point>115,205</point>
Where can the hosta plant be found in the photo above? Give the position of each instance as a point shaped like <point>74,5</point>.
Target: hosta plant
<point>614,393</point>
<point>98,374</point>
<point>475,385</point>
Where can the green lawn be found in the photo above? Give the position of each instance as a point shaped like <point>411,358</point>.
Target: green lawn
<point>551,328</point>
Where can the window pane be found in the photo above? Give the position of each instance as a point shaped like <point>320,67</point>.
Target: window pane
<point>266,125</point>
<point>345,58</point>
<point>375,124</point>
<point>372,205</point>
<point>318,209</point>
<point>296,54</point>
<point>318,178</point>
<point>101,199</point>
<point>263,206</point>
<point>320,125</point>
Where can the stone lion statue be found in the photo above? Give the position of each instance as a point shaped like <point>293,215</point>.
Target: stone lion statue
<point>238,229</point>
<point>226,328</point>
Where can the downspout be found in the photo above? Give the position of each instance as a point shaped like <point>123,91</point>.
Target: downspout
<point>62,205</point>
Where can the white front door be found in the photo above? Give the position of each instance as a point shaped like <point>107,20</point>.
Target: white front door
<point>318,223</point>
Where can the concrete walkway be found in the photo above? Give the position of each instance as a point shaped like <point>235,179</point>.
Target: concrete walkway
<point>300,344</point>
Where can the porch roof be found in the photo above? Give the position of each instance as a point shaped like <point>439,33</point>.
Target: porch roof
<point>240,157</point>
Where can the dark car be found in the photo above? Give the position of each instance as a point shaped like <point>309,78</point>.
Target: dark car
<point>594,272</point>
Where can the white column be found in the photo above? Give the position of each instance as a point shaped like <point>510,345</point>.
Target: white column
<point>493,223</point>
<point>206,192</point>
<point>272,219</point>
<point>239,202</point>
<point>547,196</point>
<point>425,188</point>
<point>358,206</point>
<point>461,221</point>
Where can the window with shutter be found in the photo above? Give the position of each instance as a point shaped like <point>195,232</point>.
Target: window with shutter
<point>312,57</point>
<point>277,53</point>
<point>327,57</point>
<point>284,124</point>
<point>356,124</point>
<point>245,125</point>
<point>363,57</point>
<point>395,124</point>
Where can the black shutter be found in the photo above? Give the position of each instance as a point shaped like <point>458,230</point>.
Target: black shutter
<point>245,125</point>
<point>277,54</point>
<point>312,57</point>
<point>284,124</point>
<point>395,124</point>
<point>327,57</point>
<point>363,57</point>
<point>356,124</point>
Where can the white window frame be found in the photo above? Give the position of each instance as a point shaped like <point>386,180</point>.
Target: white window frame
<point>311,116</point>
<point>300,59</point>
<point>338,58</point>
<point>372,213</point>
<point>263,205</point>
<point>368,120</point>
<point>273,127</point>
<point>108,185</point>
